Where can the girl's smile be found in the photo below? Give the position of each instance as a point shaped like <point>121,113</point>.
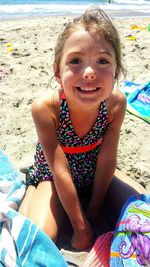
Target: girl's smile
<point>88,90</point>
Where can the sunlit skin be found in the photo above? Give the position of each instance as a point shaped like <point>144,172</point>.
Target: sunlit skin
<point>87,68</point>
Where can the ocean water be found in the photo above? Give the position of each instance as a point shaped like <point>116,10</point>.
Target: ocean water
<point>22,8</point>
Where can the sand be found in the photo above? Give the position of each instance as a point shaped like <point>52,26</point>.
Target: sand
<point>26,49</point>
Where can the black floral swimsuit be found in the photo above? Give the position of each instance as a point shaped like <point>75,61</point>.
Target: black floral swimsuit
<point>81,153</point>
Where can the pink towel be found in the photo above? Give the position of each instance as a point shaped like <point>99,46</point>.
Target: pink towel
<point>99,256</point>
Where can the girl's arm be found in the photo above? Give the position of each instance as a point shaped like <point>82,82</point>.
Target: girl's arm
<point>106,163</point>
<point>44,115</point>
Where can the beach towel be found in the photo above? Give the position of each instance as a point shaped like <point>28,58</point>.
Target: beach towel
<point>99,255</point>
<point>22,243</point>
<point>131,243</point>
<point>138,99</point>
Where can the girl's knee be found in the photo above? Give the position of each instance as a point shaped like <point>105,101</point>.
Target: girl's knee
<point>52,231</point>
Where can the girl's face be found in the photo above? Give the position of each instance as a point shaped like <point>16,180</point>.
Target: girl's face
<point>87,67</point>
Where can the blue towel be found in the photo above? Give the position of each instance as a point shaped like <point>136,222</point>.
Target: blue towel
<point>22,243</point>
<point>131,242</point>
<point>138,99</point>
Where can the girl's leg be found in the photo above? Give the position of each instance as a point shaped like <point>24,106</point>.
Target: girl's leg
<point>24,207</point>
<point>121,188</point>
<point>43,207</point>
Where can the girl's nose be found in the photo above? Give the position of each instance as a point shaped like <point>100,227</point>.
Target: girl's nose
<point>89,73</point>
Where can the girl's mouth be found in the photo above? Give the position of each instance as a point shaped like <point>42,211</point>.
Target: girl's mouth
<point>88,90</point>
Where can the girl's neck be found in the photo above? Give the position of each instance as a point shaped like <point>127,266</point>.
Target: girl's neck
<point>82,109</point>
<point>83,118</point>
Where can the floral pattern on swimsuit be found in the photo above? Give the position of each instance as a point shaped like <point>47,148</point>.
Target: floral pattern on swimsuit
<point>82,165</point>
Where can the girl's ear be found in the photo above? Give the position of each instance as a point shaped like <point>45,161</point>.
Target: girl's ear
<point>56,73</point>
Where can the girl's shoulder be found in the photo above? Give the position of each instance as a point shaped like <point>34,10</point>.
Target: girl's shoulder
<point>47,106</point>
<point>116,104</point>
<point>118,97</point>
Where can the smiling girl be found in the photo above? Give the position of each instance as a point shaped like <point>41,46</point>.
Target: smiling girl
<point>78,129</point>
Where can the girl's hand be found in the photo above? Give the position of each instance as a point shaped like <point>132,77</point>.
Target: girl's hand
<point>82,239</point>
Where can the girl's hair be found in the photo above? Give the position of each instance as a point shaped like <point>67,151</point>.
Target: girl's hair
<point>94,19</point>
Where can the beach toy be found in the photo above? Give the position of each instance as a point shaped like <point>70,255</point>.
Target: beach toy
<point>135,27</point>
<point>131,37</point>
<point>9,47</point>
<point>148,27</point>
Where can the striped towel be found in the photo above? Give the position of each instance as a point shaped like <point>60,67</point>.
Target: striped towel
<point>22,243</point>
<point>99,256</point>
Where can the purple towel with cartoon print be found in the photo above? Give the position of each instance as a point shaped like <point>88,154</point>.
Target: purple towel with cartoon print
<point>131,243</point>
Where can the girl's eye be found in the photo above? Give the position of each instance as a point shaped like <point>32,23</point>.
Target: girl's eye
<point>102,61</point>
<point>75,61</point>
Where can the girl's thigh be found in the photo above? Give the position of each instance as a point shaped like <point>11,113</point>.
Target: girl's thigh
<point>26,202</point>
<point>45,209</point>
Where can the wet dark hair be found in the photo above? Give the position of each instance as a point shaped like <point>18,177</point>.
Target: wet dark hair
<point>94,19</point>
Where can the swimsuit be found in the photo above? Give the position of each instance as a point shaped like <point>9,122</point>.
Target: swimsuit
<point>81,153</point>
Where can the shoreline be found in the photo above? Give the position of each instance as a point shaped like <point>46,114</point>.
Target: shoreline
<point>116,14</point>
<point>26,74</point>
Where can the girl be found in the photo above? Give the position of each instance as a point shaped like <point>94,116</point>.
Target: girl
<point>78,128</point>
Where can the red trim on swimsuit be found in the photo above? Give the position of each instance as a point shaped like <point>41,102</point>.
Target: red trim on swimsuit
<point>78,149</point>
<point>63,96</point>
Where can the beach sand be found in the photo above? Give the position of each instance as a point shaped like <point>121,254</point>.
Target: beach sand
<point>26,49</point>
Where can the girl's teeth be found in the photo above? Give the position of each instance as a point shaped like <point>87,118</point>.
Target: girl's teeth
<point>88,89</point>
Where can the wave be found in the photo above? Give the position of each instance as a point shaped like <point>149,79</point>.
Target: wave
<point>133,2</point>
<point>70,8</point>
